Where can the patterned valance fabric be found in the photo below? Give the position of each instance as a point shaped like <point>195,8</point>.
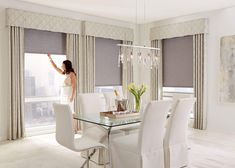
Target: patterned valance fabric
<point>193,27</point>
<point>109,31</point>
<point>32,20</point>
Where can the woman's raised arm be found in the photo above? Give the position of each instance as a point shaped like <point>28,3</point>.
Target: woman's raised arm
<point>54,65</point>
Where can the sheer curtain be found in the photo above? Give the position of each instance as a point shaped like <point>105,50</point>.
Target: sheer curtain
<point>156,74</point>
<point>16,123</point>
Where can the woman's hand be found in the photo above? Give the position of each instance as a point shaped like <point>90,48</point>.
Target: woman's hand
<point>54,65</point>
<point>71,99</point>
<point>49,56</point>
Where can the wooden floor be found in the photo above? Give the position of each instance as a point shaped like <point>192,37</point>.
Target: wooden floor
<point>208,150</point>
<point>211,150</point>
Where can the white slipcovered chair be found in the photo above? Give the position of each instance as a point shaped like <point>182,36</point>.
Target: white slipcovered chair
<point>143,150</point>
<point>65,134</point>
<point>91,104</point>
<point>177,96</point>
<point>110,101</point>
<point>175,140</point>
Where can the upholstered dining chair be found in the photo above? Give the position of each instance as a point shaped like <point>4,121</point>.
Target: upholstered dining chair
<point>175,140</point>
<point>145,149</point>
<point>110,101</point>
<point>65,134</point>
<point>177,96</point>
<point>91,104</point>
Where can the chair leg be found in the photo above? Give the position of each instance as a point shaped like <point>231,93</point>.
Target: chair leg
<point>104,157</point>
<point>88,158</point>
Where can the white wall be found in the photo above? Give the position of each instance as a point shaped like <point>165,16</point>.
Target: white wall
<point>4,84</point>
<point>221,117</point>
<point>4,59</point>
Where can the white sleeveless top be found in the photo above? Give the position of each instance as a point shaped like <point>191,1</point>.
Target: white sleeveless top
<point>66,90</point>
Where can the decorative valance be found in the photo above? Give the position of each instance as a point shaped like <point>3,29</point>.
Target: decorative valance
<point>32,20</point>
<point>109,31</point>
<point>199,26</point>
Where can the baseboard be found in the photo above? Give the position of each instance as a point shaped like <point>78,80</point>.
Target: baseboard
<point>40,130</point>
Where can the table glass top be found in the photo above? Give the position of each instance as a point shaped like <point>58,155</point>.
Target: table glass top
<point>108,122</point>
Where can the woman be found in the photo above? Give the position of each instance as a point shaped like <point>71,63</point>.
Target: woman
<point>68,90</point>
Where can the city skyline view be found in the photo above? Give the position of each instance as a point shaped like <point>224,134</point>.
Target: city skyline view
<point>42,89</point>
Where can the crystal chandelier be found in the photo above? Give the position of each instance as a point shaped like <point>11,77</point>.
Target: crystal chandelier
<point>148,56</point>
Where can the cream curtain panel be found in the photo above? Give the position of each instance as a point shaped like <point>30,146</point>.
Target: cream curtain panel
<point>72,53</point>
<point>127,76</point>
<point>199,71</point>
<point>16,123</point>
<point>87,68</point>
<point>156,74</point>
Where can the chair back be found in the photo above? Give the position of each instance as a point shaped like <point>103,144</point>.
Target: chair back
<point>152,133</point>
<point>110,101</point>
<point>175,141</point>
<point>89,104</point>
<point>177,96</point>
<point>64,125</point>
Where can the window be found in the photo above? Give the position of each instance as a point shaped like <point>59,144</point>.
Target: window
<point>102,89</point>
<point>42,89</point>
<point>178,89</point>
<point>108,76</point>
<point>42,82</point>
<point>107,72</point>
<point>178,62</point>
<point>40,41</point>
<point>178,67</point>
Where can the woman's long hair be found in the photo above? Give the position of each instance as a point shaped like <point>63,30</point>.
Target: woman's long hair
<point>68,67</point>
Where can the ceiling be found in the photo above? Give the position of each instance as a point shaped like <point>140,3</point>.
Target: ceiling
<point>125,10</point>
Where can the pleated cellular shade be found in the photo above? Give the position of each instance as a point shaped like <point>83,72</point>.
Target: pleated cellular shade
<point>38,41</point>
<point>107,72</point>
<point>178,62</point>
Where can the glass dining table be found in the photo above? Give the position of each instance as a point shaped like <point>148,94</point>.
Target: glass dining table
<point>108,123</point>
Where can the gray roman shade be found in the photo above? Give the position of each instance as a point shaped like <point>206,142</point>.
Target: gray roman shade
<point>40,41</point>
<point>178,62</point>
<point>107,72</point>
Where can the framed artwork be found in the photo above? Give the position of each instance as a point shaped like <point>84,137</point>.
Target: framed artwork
<point>227,69</point>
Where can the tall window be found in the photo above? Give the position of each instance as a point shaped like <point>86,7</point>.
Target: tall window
<point>178,67</point>
<point>108,76</point>
<point>42,82</point>
<point>178,64</point>
<point>42,89</point>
